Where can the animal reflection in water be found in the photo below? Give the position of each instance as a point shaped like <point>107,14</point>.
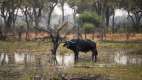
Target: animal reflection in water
<point>77,45</point>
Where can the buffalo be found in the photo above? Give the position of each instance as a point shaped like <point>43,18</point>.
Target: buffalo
<point>77,45</point>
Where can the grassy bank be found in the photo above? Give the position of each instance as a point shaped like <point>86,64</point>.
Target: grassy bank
<point>97,73</point>
<point>119,44</point>
<point>85,68</point>
<point>114,73</point>
<point>45,46</point>
<point>24,45</point>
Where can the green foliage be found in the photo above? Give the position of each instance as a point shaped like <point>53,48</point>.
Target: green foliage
<point>88,27</point>
<point>89,20</point>
<point>92,17</point>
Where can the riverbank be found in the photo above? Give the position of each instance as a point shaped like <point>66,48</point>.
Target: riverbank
<point>106,73</point>
<point>39,46</point>
<point>13,46</point>
<point>116,61</point>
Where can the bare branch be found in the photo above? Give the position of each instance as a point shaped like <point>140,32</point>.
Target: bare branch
<point>62,26</point>
<point>131,17</point>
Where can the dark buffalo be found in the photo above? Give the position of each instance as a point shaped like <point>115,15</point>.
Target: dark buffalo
<point>77,45</point>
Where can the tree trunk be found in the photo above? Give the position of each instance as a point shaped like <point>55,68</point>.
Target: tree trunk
<point>20,36</point>
<point>62,6</point>
<point>102,35</point>
<point>113,24</point>
<point>27,31</point>
<point>107,16</point>
<point>85,35</point>
<point>50,15</point>
<point>93,35</point>
<point>54,51</point>
<point>2,37</point>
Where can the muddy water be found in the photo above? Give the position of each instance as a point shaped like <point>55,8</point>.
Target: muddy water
<point>105,57</point>
<point>121,57</point>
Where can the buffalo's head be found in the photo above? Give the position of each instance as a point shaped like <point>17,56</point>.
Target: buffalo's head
<point>69,44</point>
<point>65,44</point>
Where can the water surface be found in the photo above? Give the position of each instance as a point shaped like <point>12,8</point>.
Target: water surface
<point>39,61</point>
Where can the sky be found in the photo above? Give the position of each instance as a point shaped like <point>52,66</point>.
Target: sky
<point>121,12</point>
<point>57,14</point>
<point>121,17</point>
<point>67,10</point>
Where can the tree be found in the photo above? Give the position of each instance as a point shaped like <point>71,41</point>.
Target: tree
<point>88,27</point>
<point>51,5</point>
<point>9,10</point>
<point>62,8</point>
<point>135,14</point>
<point>26,8</point>
<point>54,30</point>
<point>92,18</point>
<point>134,10</point>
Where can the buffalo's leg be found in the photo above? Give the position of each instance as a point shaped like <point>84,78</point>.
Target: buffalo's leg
<point>95,58</point>
<point>76,56</point>
<point>94,55</point>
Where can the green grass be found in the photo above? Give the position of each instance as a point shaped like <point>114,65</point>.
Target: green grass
<point>13,46</point>
<point>120,44</point>
<point>116,72</point>
<point>37,46</point>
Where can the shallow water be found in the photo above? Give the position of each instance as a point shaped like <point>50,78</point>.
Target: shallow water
<point>120,57</point>
<point>105,57</point>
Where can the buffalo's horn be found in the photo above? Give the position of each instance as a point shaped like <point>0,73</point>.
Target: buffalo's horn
<point>71,41</point>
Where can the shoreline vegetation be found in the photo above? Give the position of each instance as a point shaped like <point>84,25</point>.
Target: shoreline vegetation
<point>39,46</point>
<point>82,70</point>
<point>114,72</point>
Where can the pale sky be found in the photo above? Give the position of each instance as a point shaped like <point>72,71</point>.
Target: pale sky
<point>67,10</point>
<point>57,14</point>
<point>121,12</point>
